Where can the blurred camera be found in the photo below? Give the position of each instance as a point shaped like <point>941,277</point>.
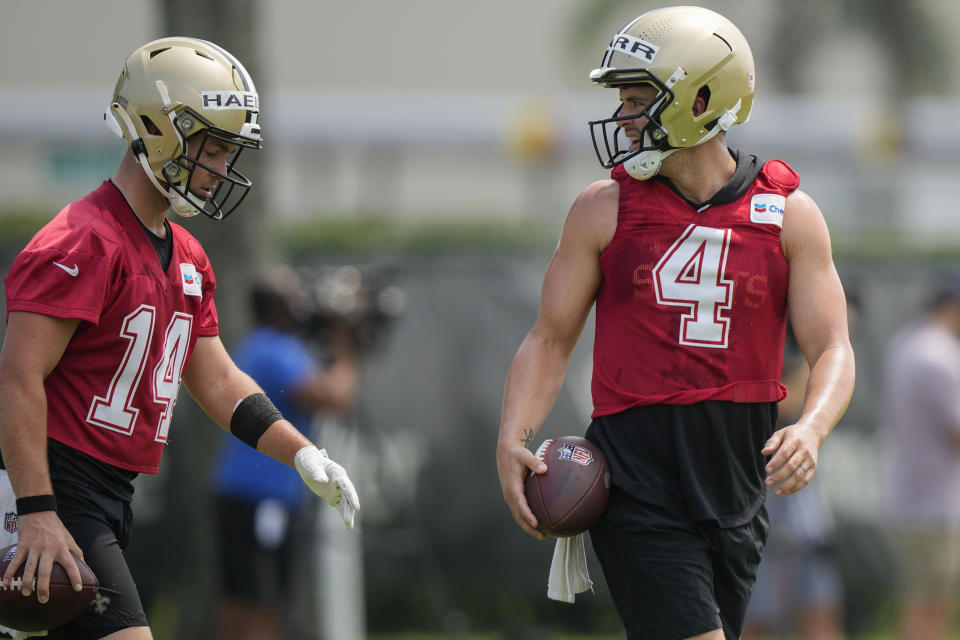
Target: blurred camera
<point>364,303</point>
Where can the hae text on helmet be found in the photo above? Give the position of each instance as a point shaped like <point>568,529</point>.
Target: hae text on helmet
<point>246,100</point>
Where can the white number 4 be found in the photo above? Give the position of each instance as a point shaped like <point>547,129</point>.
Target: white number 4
<point>691,275</point>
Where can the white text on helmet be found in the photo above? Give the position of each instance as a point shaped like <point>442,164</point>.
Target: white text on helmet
<point>218,100</point>
<point>635,47</point>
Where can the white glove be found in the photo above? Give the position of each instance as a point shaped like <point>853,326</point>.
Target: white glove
<point>328,480</point>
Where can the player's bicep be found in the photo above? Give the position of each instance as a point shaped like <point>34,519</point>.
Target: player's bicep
<point>816,300</point>
<point>34,343</point>
<point>569,287</point>
<point>574,276</point>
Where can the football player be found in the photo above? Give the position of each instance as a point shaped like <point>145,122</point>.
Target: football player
<point>110,306</point>
<point>692,253</point>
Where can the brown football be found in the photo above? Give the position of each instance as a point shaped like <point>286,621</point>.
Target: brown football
<point>27,613</point>
<point>569,498</point>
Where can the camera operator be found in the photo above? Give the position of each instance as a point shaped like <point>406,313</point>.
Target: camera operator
<point>259,501</point>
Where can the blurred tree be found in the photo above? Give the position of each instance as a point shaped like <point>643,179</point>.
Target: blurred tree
<point>910,38</point>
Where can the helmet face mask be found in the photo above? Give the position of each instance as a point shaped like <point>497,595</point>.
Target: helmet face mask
<point>615,147</point>
<point>233,186</point>
<point>177,89</point>
<point>685,53</point>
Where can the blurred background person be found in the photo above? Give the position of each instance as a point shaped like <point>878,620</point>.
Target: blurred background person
<point>259,503</point>
<point>922,421</point>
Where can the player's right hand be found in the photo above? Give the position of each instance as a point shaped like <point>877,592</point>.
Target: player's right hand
<point>43,540</point>
<point>513,465</point>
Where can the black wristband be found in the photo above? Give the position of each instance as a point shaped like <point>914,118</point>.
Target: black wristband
<point>252,417</point>
<point>36,504</point>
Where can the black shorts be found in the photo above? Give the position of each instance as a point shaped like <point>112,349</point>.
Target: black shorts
<point>671,578</point>
<point>101,526</point>
<point>250,570</point>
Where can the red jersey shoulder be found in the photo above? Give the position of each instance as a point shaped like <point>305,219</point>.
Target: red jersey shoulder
<point>781,174</point>
<point>86,225</point>
<point>67,268</point>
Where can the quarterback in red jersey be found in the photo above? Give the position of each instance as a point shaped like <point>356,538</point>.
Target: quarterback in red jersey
<point>110,307</point>
<point>692,253</point>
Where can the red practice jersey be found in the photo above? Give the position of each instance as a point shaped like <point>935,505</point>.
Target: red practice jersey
<point>693,303</point>
<point>112,394</point>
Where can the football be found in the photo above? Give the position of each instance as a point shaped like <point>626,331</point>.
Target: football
<point>569,498</point>
<point>27,614</point>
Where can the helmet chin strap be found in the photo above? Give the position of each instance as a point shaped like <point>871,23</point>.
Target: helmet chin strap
<point>646,164</point>
<point>180,205</point>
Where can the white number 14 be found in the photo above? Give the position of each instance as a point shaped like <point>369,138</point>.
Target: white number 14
<point>116,411</point>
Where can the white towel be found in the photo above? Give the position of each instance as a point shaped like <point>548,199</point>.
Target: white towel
<point>568,570</point>
<point>16,635</point>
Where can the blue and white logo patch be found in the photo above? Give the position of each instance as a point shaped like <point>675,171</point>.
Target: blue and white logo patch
<point>191,280</point>
<point>767,208</point>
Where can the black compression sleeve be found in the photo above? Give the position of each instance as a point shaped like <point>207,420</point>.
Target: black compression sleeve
<point>252,417</point>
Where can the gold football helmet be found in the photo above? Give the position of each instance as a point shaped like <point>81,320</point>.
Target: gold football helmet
<point>683,52</point>
<point>176,88</point>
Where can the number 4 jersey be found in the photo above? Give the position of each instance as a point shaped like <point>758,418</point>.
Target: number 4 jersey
<point>694,300</point>
<point>112,393</point>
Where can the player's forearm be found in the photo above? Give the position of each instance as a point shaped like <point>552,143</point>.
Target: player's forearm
<point>533,384</point>
<point>282,441</point>
<point>23,436</point>
<point>219,392</point>
<point>829,389</point>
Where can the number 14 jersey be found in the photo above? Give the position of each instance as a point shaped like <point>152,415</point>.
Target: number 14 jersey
<point>693,303</point>
<point>112,393</point>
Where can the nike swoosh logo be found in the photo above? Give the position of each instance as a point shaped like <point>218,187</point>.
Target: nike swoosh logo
<point>73,272</point>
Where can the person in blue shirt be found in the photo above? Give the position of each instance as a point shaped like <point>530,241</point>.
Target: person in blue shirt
<point>258,498</point>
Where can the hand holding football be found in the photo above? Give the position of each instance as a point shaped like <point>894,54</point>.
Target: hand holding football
<point>26,613</point>
<point>569,498</point>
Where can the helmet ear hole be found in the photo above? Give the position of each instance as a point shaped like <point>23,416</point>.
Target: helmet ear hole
<point>149,126</point>
<point>702,94</point>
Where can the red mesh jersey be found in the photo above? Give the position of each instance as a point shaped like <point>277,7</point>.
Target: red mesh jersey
<point>113,392</point>
<point>693,304</point>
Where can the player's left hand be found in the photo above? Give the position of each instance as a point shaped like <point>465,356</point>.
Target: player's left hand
<point>328,480</point>
<point>794,450</point>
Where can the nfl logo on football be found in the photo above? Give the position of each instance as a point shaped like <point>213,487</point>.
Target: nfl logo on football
<point>580,455</point>
<point>10,522</point>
